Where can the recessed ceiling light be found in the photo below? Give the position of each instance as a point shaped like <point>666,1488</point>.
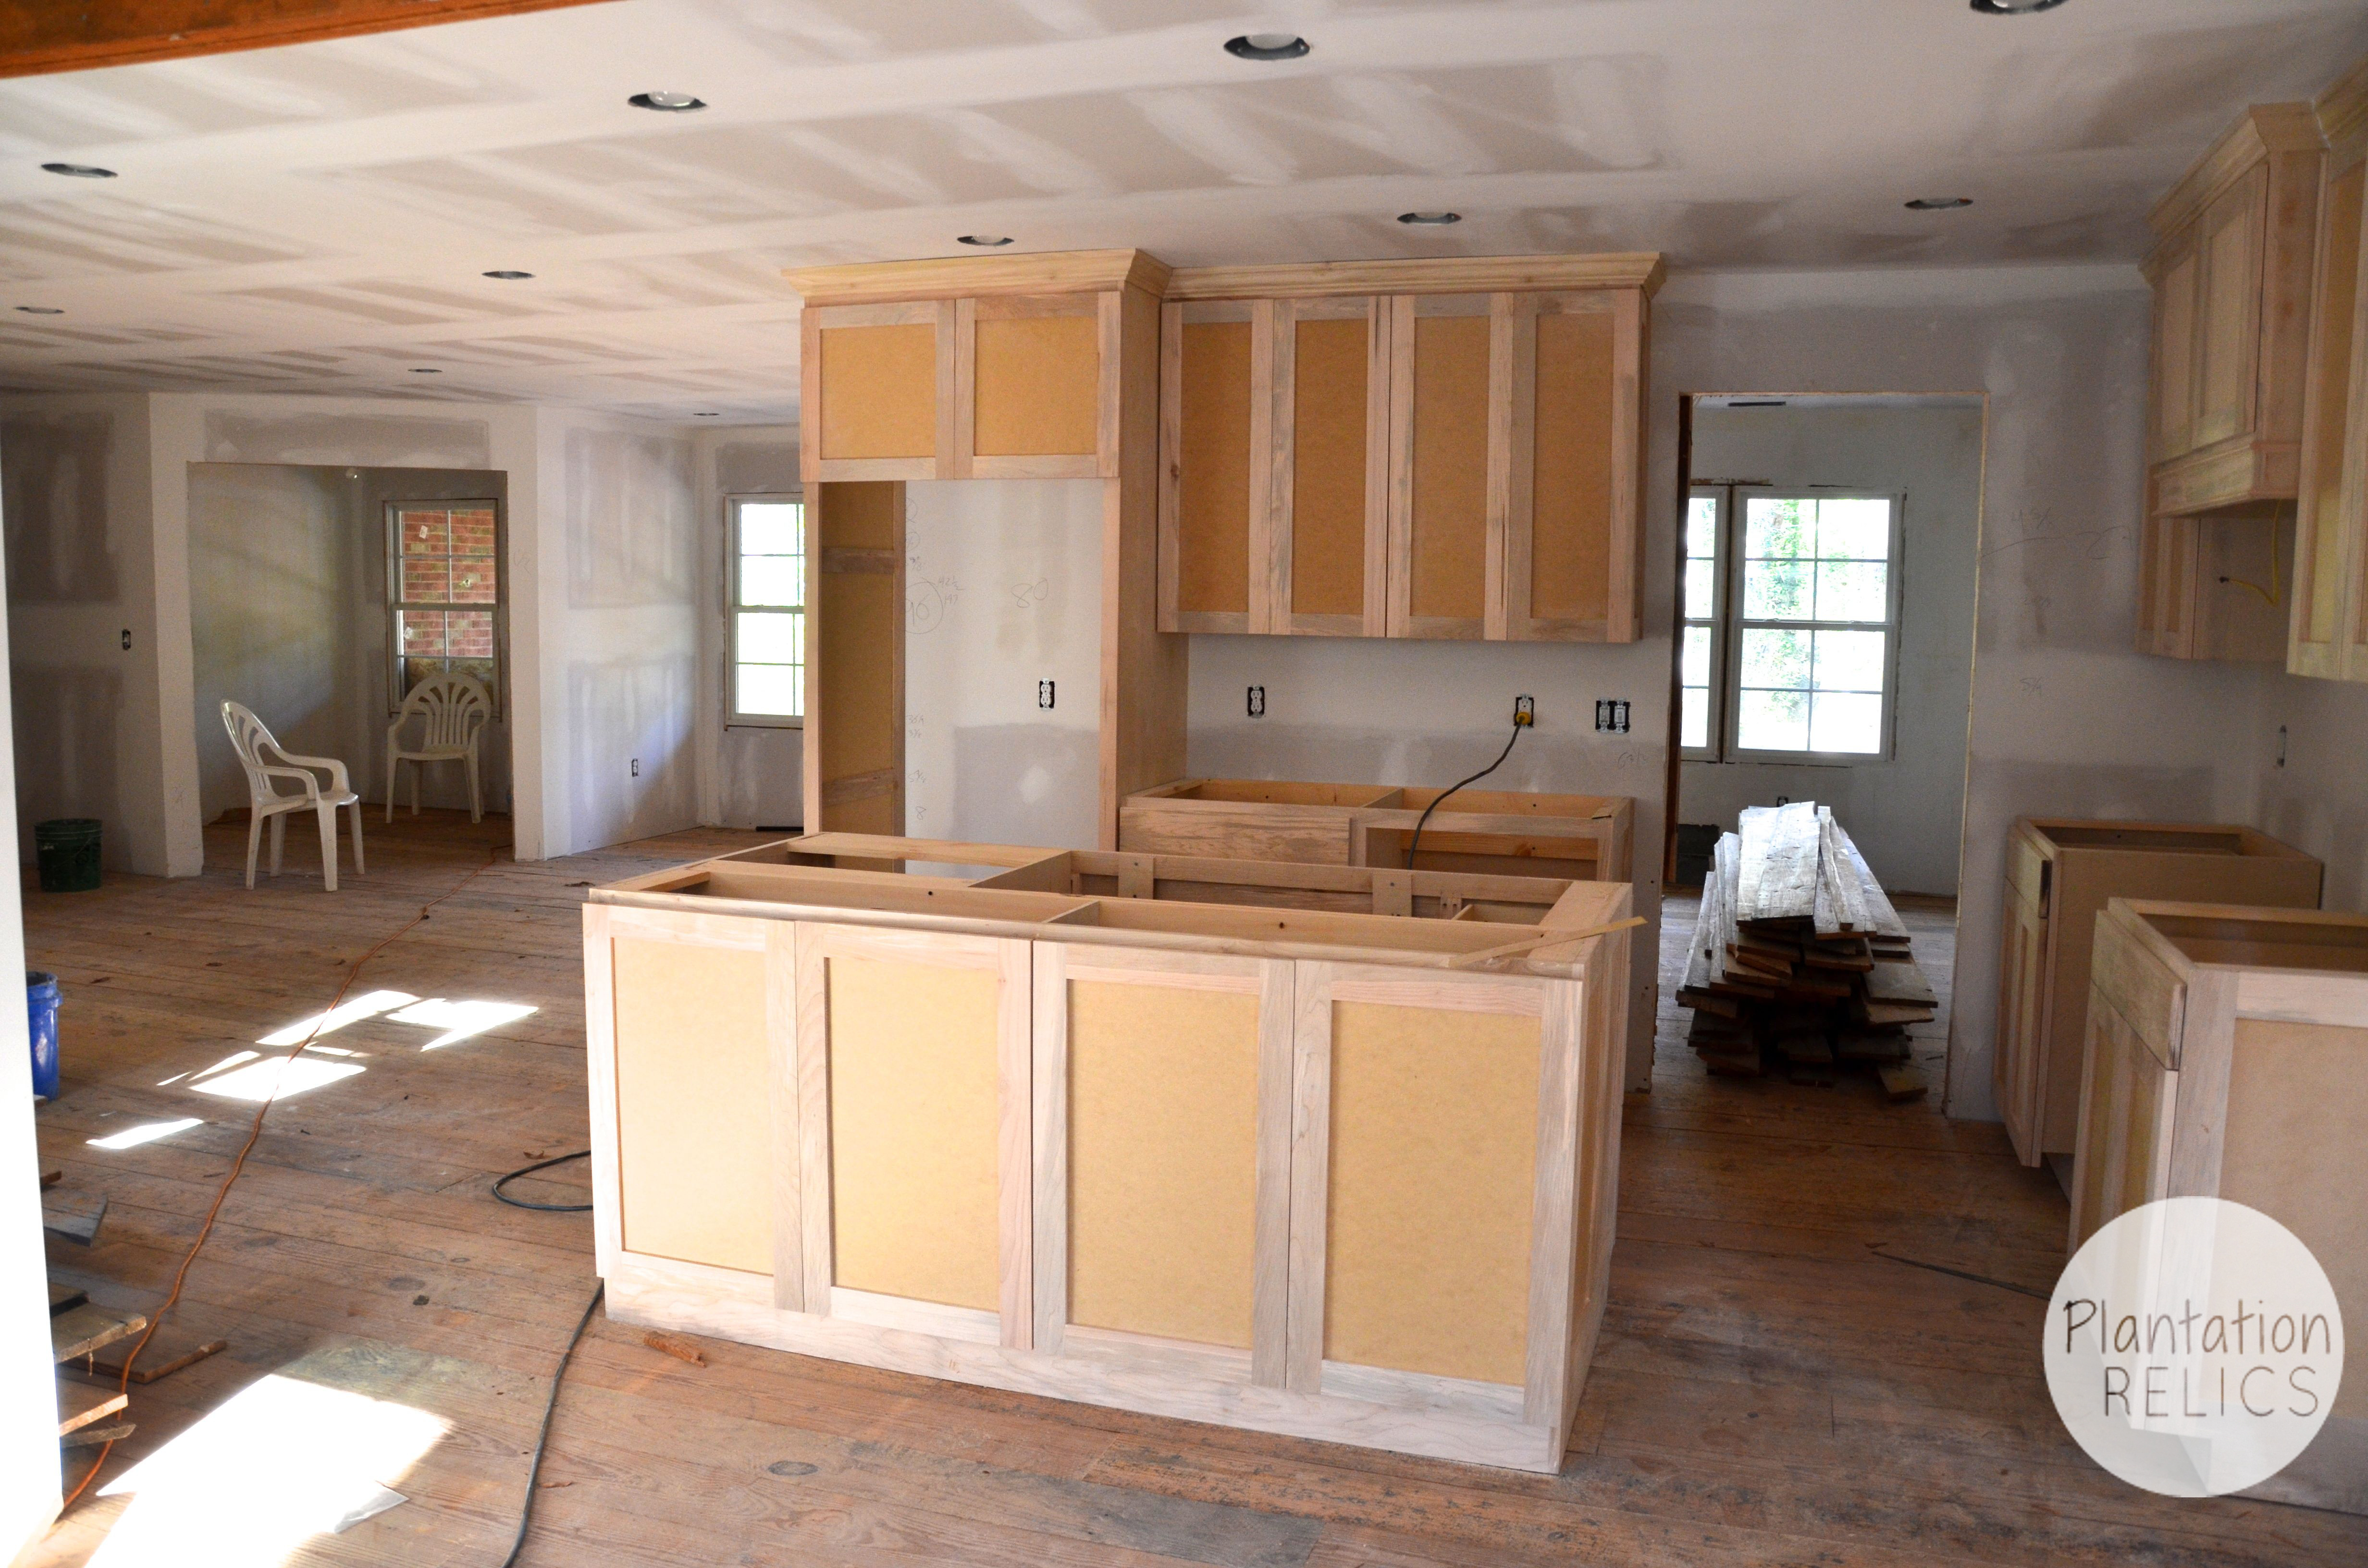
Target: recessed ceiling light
<point>990,240</point>
<point>41,310</point>
<point>1431,220</point>
<point>1938,203</point>
<point>2014,7</point>
<point>1267,46</point>
<point>509,275</point>
<point>667,103</point>
<point>80,171</point>
<point>426,370</point>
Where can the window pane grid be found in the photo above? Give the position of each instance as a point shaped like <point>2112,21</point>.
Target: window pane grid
<point>1815,629</point>
<point>445,558</point>
<point>1698,656</point>
<point>768,623</point>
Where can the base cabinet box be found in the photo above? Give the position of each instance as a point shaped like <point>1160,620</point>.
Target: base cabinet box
<point>2226,1057</point>
<point>2060,872</point>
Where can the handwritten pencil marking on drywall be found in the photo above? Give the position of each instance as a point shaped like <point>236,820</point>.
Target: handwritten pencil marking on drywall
<point>927,601</point>
<point>1026,596</point>
<point>2036,525</point>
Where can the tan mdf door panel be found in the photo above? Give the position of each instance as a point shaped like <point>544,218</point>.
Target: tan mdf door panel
<point>873,381</point>
<point>2175,349</point>
<point>1215,357</point>
<point>854,658</point>
<point>1565,454</point>
<point>2229,245</point>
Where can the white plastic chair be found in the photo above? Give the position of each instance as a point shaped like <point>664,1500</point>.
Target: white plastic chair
<point>455,710</point>
<point>252,739</point>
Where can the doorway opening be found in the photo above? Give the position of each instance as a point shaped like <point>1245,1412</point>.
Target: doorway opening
<point>1824,646</point>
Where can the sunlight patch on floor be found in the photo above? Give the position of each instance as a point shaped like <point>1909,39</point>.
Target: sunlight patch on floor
<point>459,1020</point>
<point>147,1132</point>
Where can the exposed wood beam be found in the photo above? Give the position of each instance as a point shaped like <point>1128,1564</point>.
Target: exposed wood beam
<point>81,35</point>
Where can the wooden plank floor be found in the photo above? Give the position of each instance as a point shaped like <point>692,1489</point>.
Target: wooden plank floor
<point>1769,1391</point>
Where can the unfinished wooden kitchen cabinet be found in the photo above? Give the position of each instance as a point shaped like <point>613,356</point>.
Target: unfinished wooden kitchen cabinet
<point>2232,276</point>
<point>2059,874</point>
<point>2227,1057</point>
<point>2329,629</point>
<point>932,1107</point>
<point>1497,833</point>
<point>970,368</point>
<point>1430,449</point>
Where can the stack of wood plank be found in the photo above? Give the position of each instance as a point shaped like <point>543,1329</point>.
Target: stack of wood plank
<point>1800,965</point>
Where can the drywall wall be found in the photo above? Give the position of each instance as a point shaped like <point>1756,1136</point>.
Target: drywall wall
<point>751,776</point>
<point>30,1473</point>
<point>1003,590</point>
<point>604,631</point>
<point>288,581</point>
<point>2317,799</point>
<point>2066,718</point>
<point>87,648</point>
<point>1904,809</point>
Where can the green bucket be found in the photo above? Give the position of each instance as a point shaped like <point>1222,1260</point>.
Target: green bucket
<point>67,848</point>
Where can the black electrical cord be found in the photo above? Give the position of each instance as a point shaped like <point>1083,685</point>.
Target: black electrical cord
<point>534,1470</point>
<point>502,1182</point>
<point>1415,841</point>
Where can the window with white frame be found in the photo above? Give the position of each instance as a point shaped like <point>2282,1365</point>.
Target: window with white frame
<point>445,592</point>
<point>1801,629</point>
<point>767,629</point>
<point>1700,655</point>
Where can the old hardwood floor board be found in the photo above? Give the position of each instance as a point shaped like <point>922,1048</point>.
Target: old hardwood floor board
<point>1767,1391</point>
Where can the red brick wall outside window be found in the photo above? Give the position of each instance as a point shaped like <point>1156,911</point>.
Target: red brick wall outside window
<point>446,583</point>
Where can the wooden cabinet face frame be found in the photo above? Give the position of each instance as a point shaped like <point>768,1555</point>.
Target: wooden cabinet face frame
<point>1293,445</point>
<point>2328,633</point>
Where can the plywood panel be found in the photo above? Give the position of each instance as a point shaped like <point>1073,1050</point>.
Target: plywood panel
<point>1449,539</point>
<point>913,1123</point>
<point>1433,1152</point>
<point>1163,1122</point>
<point>694,1140</point>
<point>1571,495</point>
<point>1213,483</point>
<point>2297,1092</point>
<point>1038,382</point>
<point>1328,484</point>
<point>878,391</point>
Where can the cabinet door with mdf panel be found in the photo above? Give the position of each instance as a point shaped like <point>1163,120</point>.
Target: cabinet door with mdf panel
<point>1566,467</point>
<point>2060,872</point>
<point>1328,467</point>
<point>913,1058</point>
<point>854,629</point>
<point>1446,545</point>
<point>1162,1158</point>
<point>694,1094</point>
<point>2232,277</point>
<point>1216,380</point>
<point>1035,383</point>
<point>2327,635</point>
<point>876,386</point>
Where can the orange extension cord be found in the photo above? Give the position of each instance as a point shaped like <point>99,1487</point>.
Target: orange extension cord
<point>254,1133</point>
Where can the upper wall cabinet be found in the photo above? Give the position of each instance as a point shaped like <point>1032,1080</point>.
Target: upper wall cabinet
<point>2232,274</point>
<point>1441,449</point>
<point>1002,368</point>
<point>2328,631</point>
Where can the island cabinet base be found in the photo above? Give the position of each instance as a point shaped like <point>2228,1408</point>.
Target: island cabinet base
<point>1345,1176</point>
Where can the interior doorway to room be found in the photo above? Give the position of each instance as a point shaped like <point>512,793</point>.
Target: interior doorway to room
<point>320,596</point>
<point>1824,632</point>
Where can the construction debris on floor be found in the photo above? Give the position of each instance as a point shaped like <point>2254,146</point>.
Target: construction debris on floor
<point>1800,965</point>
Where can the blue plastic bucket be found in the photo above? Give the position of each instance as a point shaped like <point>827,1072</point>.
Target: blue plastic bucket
<point>41,1009</point>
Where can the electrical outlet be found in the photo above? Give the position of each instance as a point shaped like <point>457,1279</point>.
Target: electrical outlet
<point>2282,745</point>
<point>1612,715</point>
<point>637,767</point>
<point>126,640</point>
<point>1043,694</point>
<point>1525,710</point>
<point>1258,702</point>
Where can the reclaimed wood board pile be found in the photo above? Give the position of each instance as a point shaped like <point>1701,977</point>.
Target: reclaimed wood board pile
<point>1800,965</point>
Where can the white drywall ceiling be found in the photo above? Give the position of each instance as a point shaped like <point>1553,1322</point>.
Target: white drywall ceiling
<point>316,218</point>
